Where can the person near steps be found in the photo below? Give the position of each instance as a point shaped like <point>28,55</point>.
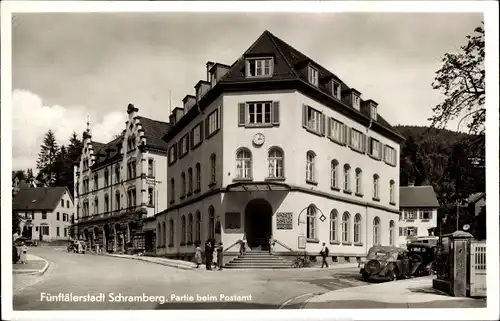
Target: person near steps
<point>324,254</point>
<point>197,255</point>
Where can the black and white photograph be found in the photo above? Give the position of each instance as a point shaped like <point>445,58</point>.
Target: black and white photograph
<point>316,160</point>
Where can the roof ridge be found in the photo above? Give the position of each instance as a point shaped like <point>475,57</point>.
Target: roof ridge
<point>151,119</point>
<point>272,38</point>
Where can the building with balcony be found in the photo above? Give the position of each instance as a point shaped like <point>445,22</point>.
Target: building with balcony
<point>119,186</point>
<point>46,213</point>
<point>275,144</point>
<point>418,205</point>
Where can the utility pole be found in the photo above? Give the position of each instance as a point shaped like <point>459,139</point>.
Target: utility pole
<point>458,212</point>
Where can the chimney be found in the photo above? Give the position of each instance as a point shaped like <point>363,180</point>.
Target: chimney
<point>202,87</point>
<point>189,101</point>
<point>178,112</point>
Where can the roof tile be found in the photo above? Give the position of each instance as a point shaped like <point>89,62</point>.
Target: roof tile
<point>417,196</point>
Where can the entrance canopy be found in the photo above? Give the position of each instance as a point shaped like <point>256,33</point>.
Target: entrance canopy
<point>257,187</point>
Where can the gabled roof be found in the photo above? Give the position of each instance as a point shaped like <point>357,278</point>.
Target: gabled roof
<point>100,150</point>
<point>154,130</point>
<point>476,197</point>
<point>417,196</point>
<point>38,198</point>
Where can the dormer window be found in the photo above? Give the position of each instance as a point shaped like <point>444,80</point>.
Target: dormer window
<point>356,101</point>
<point>373,112</point>
<point>213,79</point>
<point>313,75</point>
<point>261,67</point>
<point>335,89</point>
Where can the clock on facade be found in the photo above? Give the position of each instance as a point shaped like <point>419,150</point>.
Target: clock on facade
<point>258,139</point>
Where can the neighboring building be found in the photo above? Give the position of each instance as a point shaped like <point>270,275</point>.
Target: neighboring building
<point>18,184</point>
<point>276,144</point>
<point>119,186</point>
<point>46,212</point>
<point>475,203</point>
<point>418,217</point>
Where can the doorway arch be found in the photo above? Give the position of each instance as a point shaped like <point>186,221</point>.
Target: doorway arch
<point>258,223</point>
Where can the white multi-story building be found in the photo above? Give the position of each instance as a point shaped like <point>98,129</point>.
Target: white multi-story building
<point>46,213</point>
<point>119,186</point>
<point>277,145</point>
<point>418,205</point>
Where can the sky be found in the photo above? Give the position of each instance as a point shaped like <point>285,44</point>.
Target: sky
<point>69,67</point>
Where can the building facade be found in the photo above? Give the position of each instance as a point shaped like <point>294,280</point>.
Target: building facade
<point>418,215</point>
<point>276,145</point>
<point>46,213</point>
<point>119,186</point>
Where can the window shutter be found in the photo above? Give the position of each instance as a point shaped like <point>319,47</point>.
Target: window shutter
<point>219,113</point>
<point>344,134</point>
<point>416,230</point>
<point>430,215</point>
<point>400,231</point>
<point>349,136</point>
<point>187,141</point>
<point>201,131</point>
<point>323,124</point>
<point>241,114</point>
<point>175,152</point>
<point>363,142</point>
<point>179,148</point>
<point>207,126</point>
<point>191,140</point>
<point>304,116</point>
<point>420,214</point>
<point>329,128</point>
<point>275,114</point>
<point>382,152</point>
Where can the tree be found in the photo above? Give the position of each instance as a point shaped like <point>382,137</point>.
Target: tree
<point>16,220</point>
<point>47,159</point>
<point>461,80</point>
<point>20,174</point>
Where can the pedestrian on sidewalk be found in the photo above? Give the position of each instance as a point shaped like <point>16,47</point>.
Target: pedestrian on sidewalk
<point>214,253</point>
<point>324,254</point>
<point>243,245</point>
<point>24,253</point>
<point>220,256</point>
<point>271,244</point>
<point>197,255</point>
<point>208,254</point>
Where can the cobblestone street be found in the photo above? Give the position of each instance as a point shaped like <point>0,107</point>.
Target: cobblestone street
<point>93,274</point>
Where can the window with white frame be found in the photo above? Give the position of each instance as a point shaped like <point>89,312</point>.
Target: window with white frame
<point>313,75</point>
<point>213,165</point>
<point>376,195</point>
<point>357,140</point>
<point>376,231</point>
<point>333,225</point>
<point>410,214</point>
<point>426,214</point>
<point>311,222</point>
<point>392,227</point>
<point>357,228</point>
<point>132,200</point>
<point>151,196</point>
<point>390,155</point>
<point>375,148</point>
<point>356,101</point>
<point>313,119</point>
<point>411,231</point>
<point>96,206</point>
<point>275,163</point>
<point>106,203</point>
<point>243,163</point>
<point>172,154</point>
<point>151,167</point>
<point>259,112</point>
<point>345,227</point>
<point>183,145</point>
<point>337,131</point>
<point>335,89</point>
<point>310,168</point>
<point>347,178</point>
<point>359,187</point>
<point>196,133</point>
<point>392,191</point>
<point>334,175</point>
<point>373,112</point>
<point>117,200</point>
<point>260,67</point>
<point>212,122</point>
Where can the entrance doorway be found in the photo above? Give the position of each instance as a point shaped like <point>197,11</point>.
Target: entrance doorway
<point>258,223</point>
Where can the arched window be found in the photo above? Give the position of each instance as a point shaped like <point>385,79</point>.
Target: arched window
<point>376,231</point>
<point>190,228</point>
<point>311,222</point>
<point>183,182</point>
<point>197,231</point>
<point>347,177</point>
<point>190,180</point>
<point>163,234</point>
<point>375,187</point>
<point>391,232</point>
<point>171,230</point>
<point>198,177</point>
<point>158,235</point>
<point>243,163</point>
<point>345,227</point>
<point>172,190</point>
<point>106,203</point>
<point>183,229</point>
<point>212,168</point>
<point>359,187</point>
<point>310,166</point>
<point>357,228</point>
<point>106,177</point>
<point>276,165</point>
<point>333,225</point>
<point>392,192</point>
<point>211,222</point>
<point>334,175</point>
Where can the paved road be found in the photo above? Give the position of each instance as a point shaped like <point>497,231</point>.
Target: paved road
<point>90,275</point>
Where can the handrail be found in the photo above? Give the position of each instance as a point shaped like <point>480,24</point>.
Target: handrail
<point>233,245</point>
<point>282,244</point>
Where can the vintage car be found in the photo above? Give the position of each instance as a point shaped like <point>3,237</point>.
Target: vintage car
<point>387,263</point>
<point>425,255</point>
<point>26,241</point>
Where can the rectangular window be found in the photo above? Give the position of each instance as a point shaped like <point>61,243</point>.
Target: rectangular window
<point>411,231</point>
<point>375,148</point>
<point>65,232</point>
<point>259,113</point>
<point>151,199</point>
<point>131,198</point>
<point>373,112</point>
<point>44,215</point>
<point>410,214</point>
<point>390,155</point>
<point>357,140</point>
<point>117,173</point>
<point>151,167</point>
<point>183,145</point>
<point>262,67</point>
<point>45,230</point>
<point>117,201</point>
<point>96,182</point>
<point>196,135</point>
<point>57,231</point>
<point>106,204</point>
<point>426,215</point>
<point>313,76</point>
<point>57,217</point>
<point>172,154</point>
<point>335,89</point>
<point>213,122</point>
<point>337,131</point>
<point>36,228</point>
<point>62,203</point>
<point>313,119</point>
<point>356,101</point>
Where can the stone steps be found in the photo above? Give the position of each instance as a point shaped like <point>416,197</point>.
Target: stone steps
<point>258,260</point>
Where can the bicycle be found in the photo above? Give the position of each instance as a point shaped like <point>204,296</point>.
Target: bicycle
<point>302,260</point>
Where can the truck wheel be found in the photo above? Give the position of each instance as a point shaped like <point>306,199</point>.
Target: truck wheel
<point>366,276</point>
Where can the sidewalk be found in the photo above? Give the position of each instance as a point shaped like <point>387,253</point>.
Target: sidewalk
<point>179,264</point>
<point>35,265</point>
<point>411,293</point>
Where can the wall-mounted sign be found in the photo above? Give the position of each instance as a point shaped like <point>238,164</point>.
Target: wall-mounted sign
<point>233,220</point>
<point>284,220</point>
<point>302,242</point>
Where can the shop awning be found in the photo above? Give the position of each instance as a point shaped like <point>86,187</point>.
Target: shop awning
<point>257,187</point>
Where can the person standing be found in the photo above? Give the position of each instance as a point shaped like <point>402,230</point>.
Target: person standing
<point>208,255</point>
<point>271,244</point>
<point>197,256</point>
<point>24,254</point>
<point>220,256</point>
<point>324,254</point>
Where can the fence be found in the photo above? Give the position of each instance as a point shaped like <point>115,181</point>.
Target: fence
<point>478,268</point>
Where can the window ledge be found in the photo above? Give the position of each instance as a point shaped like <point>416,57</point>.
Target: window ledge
<point>150,176</point>
<point>150,205</point>
<point>336,141</point>
<point>376,199</point>
<point>354,149</point>
<point>313,131</point>
<point>182,156</point>
<point>189,194</point>
<point>172,202</point>
<point>334,242</point>
<point>374,157</point>
<point>275,179</point>
<point>425,220</point>
<point>258,125</point>
<point>242,179</point>
<point>358,244</point>
<point>182,197</point>
<point>311,182</point>
<point>312,240</point>
<point>197,190</point>
<point>347,192</point>
<point>346,243</point>
<point>333,188</point>
<point>410,220</point>
<point>212,134</point>
<point>195,146</point>
<point>212,184</point>
<point>392,165</point>
<point>358,194</point>
<point>392,203</point>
